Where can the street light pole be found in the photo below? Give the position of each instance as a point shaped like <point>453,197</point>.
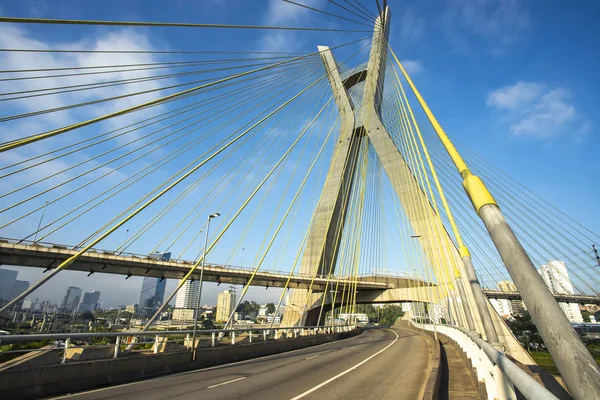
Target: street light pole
<point>40,223</point>
<point>211,216</point>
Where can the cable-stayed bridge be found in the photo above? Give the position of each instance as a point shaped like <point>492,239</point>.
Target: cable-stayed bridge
<point>328,169</point>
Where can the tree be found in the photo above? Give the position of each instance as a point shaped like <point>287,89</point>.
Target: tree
<point>208,324</point>
<point>270,308</point>
<point>87,316</point>
<point>526,331</point>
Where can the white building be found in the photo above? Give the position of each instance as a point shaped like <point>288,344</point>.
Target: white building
<point>183,314</point>
<point>503,307</point>
<point>556,277</point>
<point>27,304</point>
<point>508,308</point>
<point>417,309</point>
<point>262,311</point>
<point>187,296</point>
<point>274,318</point>
<point>225,304</point>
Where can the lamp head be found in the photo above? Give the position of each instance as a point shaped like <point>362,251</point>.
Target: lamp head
<point>215,215</point>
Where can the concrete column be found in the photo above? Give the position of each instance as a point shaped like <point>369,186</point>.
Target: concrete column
<point>575,363</point>
<point>322,246</point>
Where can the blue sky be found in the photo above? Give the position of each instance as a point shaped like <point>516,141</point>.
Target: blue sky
<point>515,81</point>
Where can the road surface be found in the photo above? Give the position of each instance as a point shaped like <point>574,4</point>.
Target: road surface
<point>377,364</point>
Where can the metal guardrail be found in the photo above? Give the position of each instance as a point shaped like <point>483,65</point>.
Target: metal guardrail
<point>216,337</point>
<point>494,368</point>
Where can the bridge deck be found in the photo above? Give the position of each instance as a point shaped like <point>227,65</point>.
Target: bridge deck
<point>42,256</point>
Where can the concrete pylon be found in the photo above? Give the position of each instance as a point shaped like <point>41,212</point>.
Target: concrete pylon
<point>363,122</point>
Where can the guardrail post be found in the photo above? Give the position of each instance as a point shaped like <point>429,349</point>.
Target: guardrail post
<point>187,340</point>
<point>275,335</point>
<point>250,336</point>
<point>302,332</point>
<point>212,339</point>
<point>295,333</point>
<point>264,336</point>
<point>156,344</point>
<point>64,357</point>
<point>232,337</point>
<point>117,347</point>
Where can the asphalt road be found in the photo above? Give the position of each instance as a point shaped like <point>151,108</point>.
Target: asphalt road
<point>377,364</point>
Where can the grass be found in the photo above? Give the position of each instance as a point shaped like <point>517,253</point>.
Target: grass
<point>544,360</point>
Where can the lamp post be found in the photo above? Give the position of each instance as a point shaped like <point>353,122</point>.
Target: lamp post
<point>211,216</point>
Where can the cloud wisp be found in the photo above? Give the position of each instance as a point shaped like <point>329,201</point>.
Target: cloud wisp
<point>498,23</point>
<point>535,110</point>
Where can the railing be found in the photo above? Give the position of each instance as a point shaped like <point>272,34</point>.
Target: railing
<point>158,338</point>
<point>493,367</point>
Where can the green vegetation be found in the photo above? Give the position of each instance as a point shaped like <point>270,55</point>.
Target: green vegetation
<point>527,333</point>
<point>248,307</point>
<point>385,315</point>
<point>544,359</point>
<point>20,346</point>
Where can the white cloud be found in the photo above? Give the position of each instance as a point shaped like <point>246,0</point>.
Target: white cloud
<point>13,37</point>
<point>413,67</point>
<point>535,110</point>
<point>498,22</point>
<point>280,13</point>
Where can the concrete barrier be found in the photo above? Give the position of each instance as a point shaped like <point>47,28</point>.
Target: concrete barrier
<point>45,356</point>
<point>90,353</point>
<point>52,380</point>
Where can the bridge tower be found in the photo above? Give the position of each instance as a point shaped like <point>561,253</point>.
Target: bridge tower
<point>359,122</point>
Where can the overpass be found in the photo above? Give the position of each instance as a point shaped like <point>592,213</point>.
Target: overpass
<point>49,255</point>
<point>372,288</point>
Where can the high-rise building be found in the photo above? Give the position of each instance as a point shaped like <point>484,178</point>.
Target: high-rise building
<point>18,288</point>
<point>71,300</point>
<point>90,301</point>
<point>7,280</point>
<point>556,277</point>
<point>516,306</point>
<point>187,296</point>
<point>225,304</point>
<point>153,290</point>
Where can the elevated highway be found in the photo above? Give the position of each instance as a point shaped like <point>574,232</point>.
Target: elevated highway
<point>372,288</point>
<point>50,255</point>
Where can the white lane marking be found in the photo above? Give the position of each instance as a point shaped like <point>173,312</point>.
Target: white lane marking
<point>226,383</point>
<point>315,356</point>
<point>346,371</point>
<point>195,371</point>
